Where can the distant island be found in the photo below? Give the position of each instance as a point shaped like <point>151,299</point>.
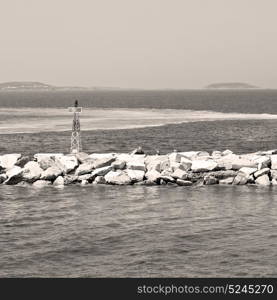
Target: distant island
<point>231,85</point>
<point>38,86</point>
<point>25,85</point>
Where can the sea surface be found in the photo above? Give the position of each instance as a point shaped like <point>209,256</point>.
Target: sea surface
<point>110,231</point>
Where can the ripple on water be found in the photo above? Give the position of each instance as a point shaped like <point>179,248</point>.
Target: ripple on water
<point>138,231</point>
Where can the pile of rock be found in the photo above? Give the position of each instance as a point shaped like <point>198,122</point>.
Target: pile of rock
<point>177,168</point>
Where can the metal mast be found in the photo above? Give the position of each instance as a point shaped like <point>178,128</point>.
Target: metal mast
<point>76,144</point>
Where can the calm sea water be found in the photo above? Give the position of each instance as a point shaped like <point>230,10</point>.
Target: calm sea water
<point>244,101</point>
<point>138,231</point>
<point>142,231</point>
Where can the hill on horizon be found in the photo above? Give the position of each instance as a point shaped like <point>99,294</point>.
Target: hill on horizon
<point>25,85</point>
<point>231,85</point>
<point>39,86</point>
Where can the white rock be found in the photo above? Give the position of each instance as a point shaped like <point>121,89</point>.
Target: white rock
<point>41,183</point>
<point>261,166</point>
<point>273,173</point>
<point>118,164</point>
<point>274,181</point>
<point>153,165</point>
<point>228,180</point>
<point>167,172</point>
<point>32,171</point>
<point>84,182</point>
<point>59,181</point>
<point>183,166</point>
<point>250,156</point>
<point>216,154</point>
<point>224,165</point>
<point>263,180</point>
<point>167,178</point>
<point>137,151</point>
<point>164,165</point>
<point>130,157</point>
<point>174,166</point>
<point>235,162</point>
<point>135,175</point>
<point>247,171</point>
<point>14,171</point>
<point>240,179</point>
<point>99,180</point>
<point>14,175</point>
<point>157,162</point>
<point>7,161</point>
<point>96,156</point>
<point>180,174</point>
<point>223,174</point>
<point>3,177</point>
<point>98,172</point>
<point>274,162</point>
<point>84,168</point>
<point>83,157</point>
<point>210,180</point>
<point>68,163</point>
<point>40,156</point>
<point>149,159</point>
<point>101,171</point>
<point>203,158</point>
<point>203,165</point>
<point>153,175</point>
<point>103,162</point>
<point>261,172</point>
<point>136,165</point>
<point>183,182</point>
<point>202,155</point>
<point>45,162</point>
<point>175,157</point>
<point>117,177</point>
<point>227,152</point>
<point>190,154</point>
<point>22,161</point>
<point>51,155</point>
<point>51,173</point>
<point>87,177</point>
<point>68,179</point>
<point>264,160</point>
<point>186,163</point>
<point>269,152</point>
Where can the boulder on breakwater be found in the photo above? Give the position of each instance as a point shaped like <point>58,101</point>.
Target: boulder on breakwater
<point>176,168</point>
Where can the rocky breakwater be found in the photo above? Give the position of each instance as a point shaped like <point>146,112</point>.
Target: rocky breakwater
<point>177,168</point>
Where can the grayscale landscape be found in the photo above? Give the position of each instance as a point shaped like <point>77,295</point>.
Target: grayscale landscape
<point>138,138</point>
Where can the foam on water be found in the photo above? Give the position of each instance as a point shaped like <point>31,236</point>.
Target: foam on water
<point>28,120</point>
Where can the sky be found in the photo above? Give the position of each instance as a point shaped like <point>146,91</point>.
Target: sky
<point>151,44</point>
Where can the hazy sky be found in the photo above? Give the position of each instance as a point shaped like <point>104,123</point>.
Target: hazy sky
<point>139,43</point>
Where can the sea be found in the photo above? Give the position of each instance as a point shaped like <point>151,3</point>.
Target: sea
<point>138,231</point>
